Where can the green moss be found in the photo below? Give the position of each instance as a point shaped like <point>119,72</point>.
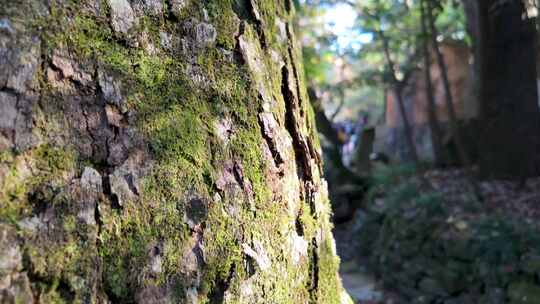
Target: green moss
<point>35,173</point>
<point>70,224</point>
<point>224,252</point>
<point>329,290</point>
<point>122,252</point>
<point>247,145</point>
<point>6,156</point>
<point>176,115</point>
<point>53,163</point>
<point>227,23</point>
<point>51,294</point>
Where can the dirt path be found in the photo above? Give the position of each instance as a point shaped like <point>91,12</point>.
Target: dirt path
<point>359,283</point>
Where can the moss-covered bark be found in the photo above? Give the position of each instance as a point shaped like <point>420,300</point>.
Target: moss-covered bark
<point>159,152</point>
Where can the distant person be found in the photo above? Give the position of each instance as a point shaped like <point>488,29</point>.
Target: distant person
<point>355,138</point>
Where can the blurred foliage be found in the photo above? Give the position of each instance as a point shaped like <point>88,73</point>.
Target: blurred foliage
<point>356,68</point>
<point>424,245</point>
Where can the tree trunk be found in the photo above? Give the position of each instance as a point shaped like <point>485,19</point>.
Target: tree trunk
<point>397,88</point>
<point>159,152</point>
<point>509,98</point>
<point>436,134</point>
<point>463,155</point>
<point>452,116</point>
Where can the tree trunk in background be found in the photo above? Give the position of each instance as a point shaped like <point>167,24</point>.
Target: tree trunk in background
<point>472,16</point>
<point>464,158</point>
<point>435,128</point>
<point>509,98</point>
<point>397,88</point>
<point>159,152</point>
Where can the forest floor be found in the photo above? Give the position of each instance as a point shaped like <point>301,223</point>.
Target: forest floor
<point>501,199</point>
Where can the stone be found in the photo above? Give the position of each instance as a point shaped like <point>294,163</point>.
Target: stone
<point>122,16</point>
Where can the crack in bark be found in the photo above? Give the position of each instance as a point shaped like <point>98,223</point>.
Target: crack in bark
<point>89,130</point>
<point>314,271</point>
<point>217,294</point>
<point>276,156</point>
<point>299,226</point>
<point>115,200</point>
<point>295,71</point>
<point>288,6</point>
<point>248,12</point>
<point>301,151</point>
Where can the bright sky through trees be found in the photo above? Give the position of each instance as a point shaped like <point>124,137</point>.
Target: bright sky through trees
<point>340,20</point>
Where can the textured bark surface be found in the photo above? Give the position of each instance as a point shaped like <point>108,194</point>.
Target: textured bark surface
<point>159,152</point>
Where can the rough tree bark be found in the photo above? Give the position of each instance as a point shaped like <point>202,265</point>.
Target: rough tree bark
<point>159,152</point>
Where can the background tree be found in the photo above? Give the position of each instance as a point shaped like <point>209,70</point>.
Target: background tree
<point>365,60</point>
<point>381,18</point>
<point>508,90</point>
<point>435,127</point>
